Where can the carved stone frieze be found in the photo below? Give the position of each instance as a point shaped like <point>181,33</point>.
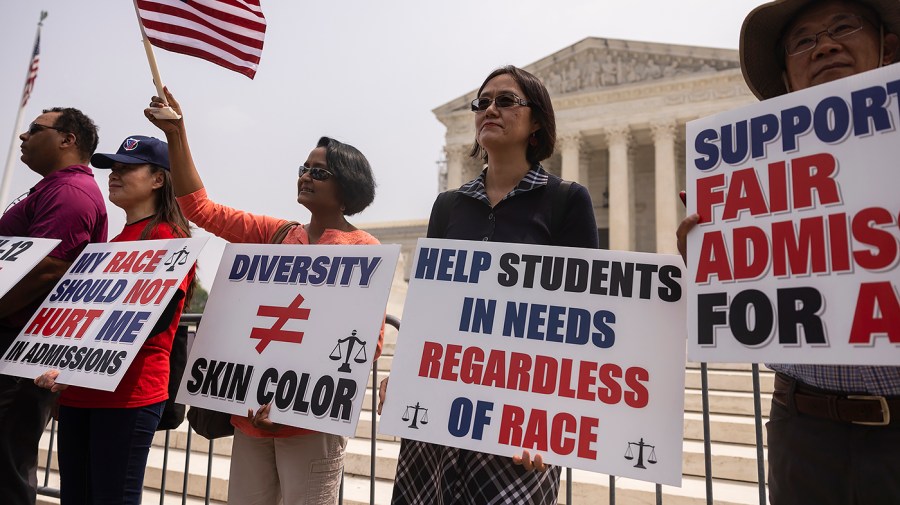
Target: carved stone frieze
<point>595,68</point>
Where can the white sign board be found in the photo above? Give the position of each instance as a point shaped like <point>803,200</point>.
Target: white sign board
<point>576,354</point>
<point>18,255</point>
<point>295,326</point>
<point>795,259</point>
<point>100,313</point>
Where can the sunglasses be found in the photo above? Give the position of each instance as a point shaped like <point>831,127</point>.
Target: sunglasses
<point>502,101</point>
<point>35,128</point>
<point>318,174</point>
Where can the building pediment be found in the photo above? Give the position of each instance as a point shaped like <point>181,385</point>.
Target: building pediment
<point>597,64</point>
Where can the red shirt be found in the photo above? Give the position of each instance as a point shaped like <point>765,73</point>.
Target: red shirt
<point>147,379</point>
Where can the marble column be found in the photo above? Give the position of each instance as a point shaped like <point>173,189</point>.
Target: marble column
<point>570,151</point>
<point>621,202</point>
<point>456,165</point>
<point>666,186</point>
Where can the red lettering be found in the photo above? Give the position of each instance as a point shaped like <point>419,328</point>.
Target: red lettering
<point>586,380</point>
<point>536,431</point>
<point>778,196</point>
<point>431,360</point>
<point>814,173</point>
<point>519,377</point>
<point>840,242</point>
<point>565,379</point>
<point>877,313</point>
<point>451,361</point>
<point>744,193</point>
<point>638,397</point>
<point>546,369</point>
<point>563,423</point>
<point>709,194</point>
<point>612,393</point>
<point>751,252</point>
<point>511,425</point>
<point>866,226</point>
<point>587,437</point>
<point>713,258</point>
<point>470,371</point>
<point>794,253</point>
<point>495,370</point>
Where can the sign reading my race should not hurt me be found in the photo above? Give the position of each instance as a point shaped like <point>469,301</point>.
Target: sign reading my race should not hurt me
<point>795,259</point>
<point>99,314</point>
<point>576,354</point>
<point>18,255</point>
<point>294,326</point>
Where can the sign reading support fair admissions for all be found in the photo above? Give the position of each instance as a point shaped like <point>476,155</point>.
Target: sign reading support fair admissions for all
<point>293,326</point>
<point>100,313</point>
<point>576,354</point>
<point>18,255</point>
<point>795,259</point>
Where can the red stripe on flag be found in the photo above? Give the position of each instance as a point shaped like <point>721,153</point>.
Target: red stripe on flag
<point>185,18</point>
<point>223,32</point>
<point>199,53</point>
<point>200,36</point>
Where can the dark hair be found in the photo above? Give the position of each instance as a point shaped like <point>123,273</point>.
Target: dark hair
<point>353,174</point>
<point>75,122</point>
<point>541,111</point>
<point>168,212</point>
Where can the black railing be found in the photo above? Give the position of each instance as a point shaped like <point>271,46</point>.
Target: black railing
<point>194,319</point>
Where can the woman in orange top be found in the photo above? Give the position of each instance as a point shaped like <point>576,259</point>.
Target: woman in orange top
<point>270,462</point>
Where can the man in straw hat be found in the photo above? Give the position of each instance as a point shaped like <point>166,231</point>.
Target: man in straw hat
<point>825,446</point>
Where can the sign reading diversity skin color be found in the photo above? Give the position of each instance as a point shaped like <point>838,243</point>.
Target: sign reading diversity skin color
<point>575,354</point>
<point>100,313</point>
<point>796,257</point>
<point>18,255</point>
<point>293,326</point>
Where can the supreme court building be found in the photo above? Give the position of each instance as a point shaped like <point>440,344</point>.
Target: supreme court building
<point>621,108</point>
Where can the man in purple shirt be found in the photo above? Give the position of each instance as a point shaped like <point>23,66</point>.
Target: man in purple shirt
<point>66,205</point>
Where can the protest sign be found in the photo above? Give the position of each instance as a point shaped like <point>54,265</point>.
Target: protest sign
<point>795,259</point>
<point>18,255</point>
<point>100,313</point>
<point>576,354</point>
<point>292,325</point>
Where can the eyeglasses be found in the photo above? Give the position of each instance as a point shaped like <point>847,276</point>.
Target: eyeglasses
<point>502,101</point>
<point>318,174</point>
<point>844,27</point>
<point>34,128</point>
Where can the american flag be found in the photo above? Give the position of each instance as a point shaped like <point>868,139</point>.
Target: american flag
<point>229,33</point>
<point>32,70</point>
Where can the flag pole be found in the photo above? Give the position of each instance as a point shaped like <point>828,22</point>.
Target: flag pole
<point>11,156</point>
<point>162,112</point>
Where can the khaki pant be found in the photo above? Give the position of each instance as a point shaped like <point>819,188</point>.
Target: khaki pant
<point>301,470</point>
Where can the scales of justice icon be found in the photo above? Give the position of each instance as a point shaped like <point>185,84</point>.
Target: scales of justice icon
<point>338,351</point>
<point>177,258</point>
<point>415,417</point>
<point>640,461</point>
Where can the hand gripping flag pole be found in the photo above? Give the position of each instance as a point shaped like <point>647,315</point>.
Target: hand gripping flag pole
<point>161,112</point>
<point>30,78</point>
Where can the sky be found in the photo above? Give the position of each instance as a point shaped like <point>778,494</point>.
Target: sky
<point>364,72</point>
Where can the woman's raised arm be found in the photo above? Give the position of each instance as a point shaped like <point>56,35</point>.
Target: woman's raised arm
<point>185,177</point>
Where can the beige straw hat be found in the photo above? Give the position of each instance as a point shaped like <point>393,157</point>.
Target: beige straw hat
<point>761,58</point>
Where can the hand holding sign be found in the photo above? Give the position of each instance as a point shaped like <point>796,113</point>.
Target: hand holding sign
<point>47,380</point>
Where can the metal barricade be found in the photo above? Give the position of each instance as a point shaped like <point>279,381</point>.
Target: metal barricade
<point>194,319</point>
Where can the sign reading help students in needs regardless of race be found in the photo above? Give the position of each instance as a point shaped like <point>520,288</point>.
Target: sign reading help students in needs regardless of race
<point>795,259</point>
<point>18,255</point>
<point>294,326</point>
<point>99,314</point>
<point>576,354</point>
